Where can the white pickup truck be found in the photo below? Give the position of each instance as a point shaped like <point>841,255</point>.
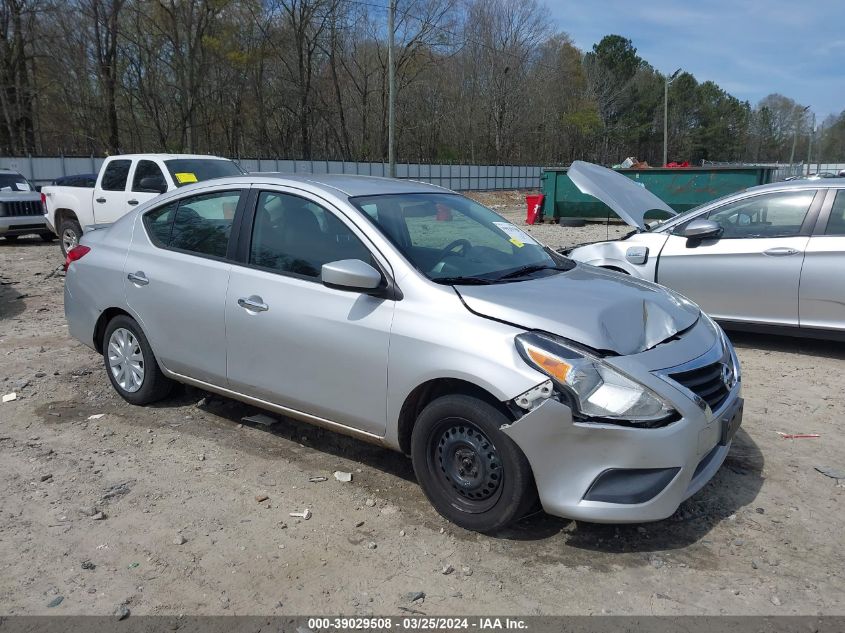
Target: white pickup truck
<point>125,181</point>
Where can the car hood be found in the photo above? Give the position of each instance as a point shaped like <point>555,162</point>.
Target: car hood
<point>601,309</point>
<point>629,200</point>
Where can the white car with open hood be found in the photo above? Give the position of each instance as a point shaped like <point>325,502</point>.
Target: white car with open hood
<point>767,257</point>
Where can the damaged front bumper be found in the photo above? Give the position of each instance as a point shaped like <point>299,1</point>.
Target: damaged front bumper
<point>606,473</point>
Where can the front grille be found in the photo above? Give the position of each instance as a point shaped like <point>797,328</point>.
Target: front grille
<point>21,208</point>
<point>706,382</point>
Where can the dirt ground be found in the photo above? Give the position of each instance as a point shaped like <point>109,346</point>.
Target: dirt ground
<point>156,508</point>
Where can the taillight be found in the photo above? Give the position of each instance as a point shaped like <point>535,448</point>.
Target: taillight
<point>77,252</point>
<point>44,200</point>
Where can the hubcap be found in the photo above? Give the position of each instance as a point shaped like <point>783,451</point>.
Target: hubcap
<point>126,360</point>
<point>468,463</point>
<point>69,239</point>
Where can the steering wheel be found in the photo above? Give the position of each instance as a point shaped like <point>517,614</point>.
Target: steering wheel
<point>447,250</point>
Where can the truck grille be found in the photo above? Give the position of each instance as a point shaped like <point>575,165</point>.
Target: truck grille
<point>21,208</point>
<point>706,382</point>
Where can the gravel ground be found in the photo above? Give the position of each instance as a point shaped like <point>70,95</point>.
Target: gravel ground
<point>181,508</point>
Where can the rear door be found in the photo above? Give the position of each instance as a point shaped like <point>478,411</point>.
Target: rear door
<point>752,272</point>
<point>822,293</point>
<point>307,347</point>
<point>111,194</point>
<point>177,274</point>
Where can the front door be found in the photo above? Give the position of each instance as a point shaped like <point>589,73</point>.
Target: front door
<point>295,342</point>
<point>752,272</point>
<point>111,194</point>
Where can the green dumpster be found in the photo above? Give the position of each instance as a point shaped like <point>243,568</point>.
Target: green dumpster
<point>681,188</point>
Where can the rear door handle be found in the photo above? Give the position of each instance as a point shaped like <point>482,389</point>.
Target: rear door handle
<point>781,251</point>
<point>133,202</point>
<point>138,278</point>
<point>101,200</point>
<point>253,303</point>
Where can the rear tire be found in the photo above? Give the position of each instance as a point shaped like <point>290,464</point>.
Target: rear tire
<point>130,364</point>
<point>472,473</point>
<point>69,233</point>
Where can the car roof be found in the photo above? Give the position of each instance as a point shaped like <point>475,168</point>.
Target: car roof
<point>798,184</point>
<point>168,156</point>
<point>348,184</point>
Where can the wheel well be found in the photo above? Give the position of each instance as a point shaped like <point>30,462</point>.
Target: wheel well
<point>102,323</point>
<point>62,214</point>
<point>616,269</point>
<point>420,397</point>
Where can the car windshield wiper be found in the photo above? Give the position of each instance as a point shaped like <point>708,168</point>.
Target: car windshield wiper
<point>527,270</point>
<point>463,281</point>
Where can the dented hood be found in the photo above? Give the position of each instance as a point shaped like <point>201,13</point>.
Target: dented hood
<point>600,309</point>
<point>629,200</point>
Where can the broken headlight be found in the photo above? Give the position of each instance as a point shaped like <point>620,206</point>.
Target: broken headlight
<point>595,389</point>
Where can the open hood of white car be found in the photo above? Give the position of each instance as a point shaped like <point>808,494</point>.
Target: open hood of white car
<point>628,199</point>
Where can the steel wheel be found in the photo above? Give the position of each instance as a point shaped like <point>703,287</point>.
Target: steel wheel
<point>126,360</point>
<point>469,467</point>
<point>69,238</point>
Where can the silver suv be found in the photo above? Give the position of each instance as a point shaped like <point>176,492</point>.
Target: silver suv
<point>410,316</point>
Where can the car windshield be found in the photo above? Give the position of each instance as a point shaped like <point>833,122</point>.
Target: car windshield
<point>14,182</point>
<point>452,239</point>
<point>184,171</point>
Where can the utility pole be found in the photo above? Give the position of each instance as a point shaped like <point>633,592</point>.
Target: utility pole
<point>391,90</point>
<point>669,80</point>
<point>810,142</point>
<point>795,136</point>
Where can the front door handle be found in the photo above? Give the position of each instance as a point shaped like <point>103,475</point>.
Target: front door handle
<point>101,200</point>
<point>781,251</point>
<point>133,202</point>
<point>138,278</point>
<point>253,303</point>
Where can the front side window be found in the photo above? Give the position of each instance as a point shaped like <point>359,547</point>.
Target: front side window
<point>836,223</point>
<point>199,224</point>
<point>148,178</point>
<point>779,214</point>
<point>114,178</point>
<point>293,235</point>
<point>450,237</point>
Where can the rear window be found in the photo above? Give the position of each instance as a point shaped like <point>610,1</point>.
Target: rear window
<point>184,171</point>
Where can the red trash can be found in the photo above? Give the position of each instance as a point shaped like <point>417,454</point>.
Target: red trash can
<point>535,208</point>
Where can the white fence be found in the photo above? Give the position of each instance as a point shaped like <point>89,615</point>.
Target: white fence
<point>43,170</point>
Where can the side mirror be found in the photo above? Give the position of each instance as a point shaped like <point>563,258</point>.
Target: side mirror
<point>351,274</point>
<point>702,230</point>
<point>152,183</point>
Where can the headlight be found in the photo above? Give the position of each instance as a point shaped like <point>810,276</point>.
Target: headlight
<point>595,389</point>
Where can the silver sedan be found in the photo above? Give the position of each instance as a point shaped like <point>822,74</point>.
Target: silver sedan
<point>410,316</point>
<point>768,258</point>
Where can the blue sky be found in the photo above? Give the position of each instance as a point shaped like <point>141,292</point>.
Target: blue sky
<point>751,48</point>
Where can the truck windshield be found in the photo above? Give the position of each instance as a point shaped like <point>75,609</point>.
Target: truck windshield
<point>14,182</point>
<point>184,171</point>
<point>453,240</point>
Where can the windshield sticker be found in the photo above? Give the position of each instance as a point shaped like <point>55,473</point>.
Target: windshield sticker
<point>516,242</point>
<point>23,186</point>
<point>515,233</point>
<point>184,177</point>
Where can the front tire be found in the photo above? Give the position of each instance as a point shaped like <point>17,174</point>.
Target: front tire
<point>69,233</point>
<point>12,238</point>
<point>471,472</point>
<point>130,364</point>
